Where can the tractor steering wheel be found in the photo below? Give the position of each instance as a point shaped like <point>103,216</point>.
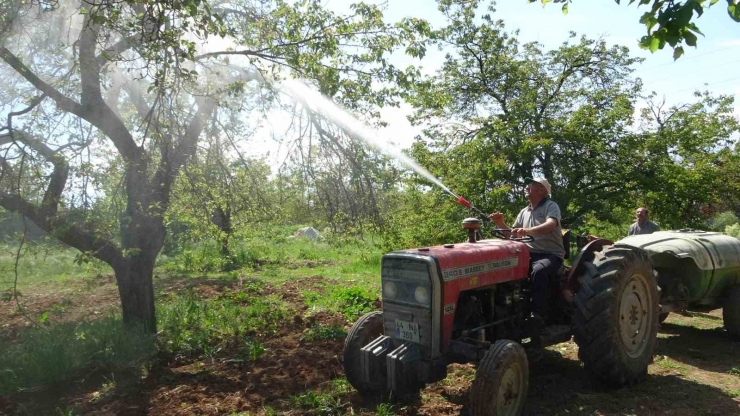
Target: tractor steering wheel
<point>499,232</point>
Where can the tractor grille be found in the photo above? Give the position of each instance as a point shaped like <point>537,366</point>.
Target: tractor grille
<point>411,296</point>
<point>422,317</point>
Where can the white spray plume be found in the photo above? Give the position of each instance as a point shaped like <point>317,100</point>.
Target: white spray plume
<point>317,102</point>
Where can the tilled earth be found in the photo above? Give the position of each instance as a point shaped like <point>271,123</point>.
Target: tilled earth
<point>695,370</point>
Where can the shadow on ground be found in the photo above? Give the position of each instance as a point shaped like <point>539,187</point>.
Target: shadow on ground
<point>560,386</point>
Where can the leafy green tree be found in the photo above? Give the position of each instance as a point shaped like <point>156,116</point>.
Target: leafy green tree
<point>723,220</point>
<point>500,111</point>
<point>130,74</point>
<point>344,180</point>
<point>684,154</point>
<point>669,22</point>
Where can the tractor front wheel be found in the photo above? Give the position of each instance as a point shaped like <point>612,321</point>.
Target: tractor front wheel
<point>501,381</point>
<point>731,313</point>
<point>617,314</point>
<point>366,329</point>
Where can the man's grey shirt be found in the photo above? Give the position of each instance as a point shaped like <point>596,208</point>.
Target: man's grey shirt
<point>551,243</point>
<point>648,227</point>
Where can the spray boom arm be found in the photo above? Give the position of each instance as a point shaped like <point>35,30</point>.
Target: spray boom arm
<point>464,202</point>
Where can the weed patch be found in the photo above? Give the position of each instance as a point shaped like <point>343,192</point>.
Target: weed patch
<point>322,332</point>
<point>668,364</point>
<point>352,302</point>
<point>385,409</point>
<point>190,325</point>
<point>320,404</point>
<point>61,352</point>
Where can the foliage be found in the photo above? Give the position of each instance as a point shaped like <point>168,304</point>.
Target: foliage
<point>613,231</point>
<point>669,21</point>
<point>323,332</point>
<point>61,352</point>
<point>684,159</point>
<point>112,103</point>
<point>733,230</point>
<point>724,220</point>
<point>352,301</point>
<point>38,261</point>
<point>564,114</point>
<point>192,326</point>
<point>385,409</point>
<point>319,404</point>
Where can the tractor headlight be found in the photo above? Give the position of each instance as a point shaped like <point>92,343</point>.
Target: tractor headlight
<point>421,295</point>
<point>389,290</point>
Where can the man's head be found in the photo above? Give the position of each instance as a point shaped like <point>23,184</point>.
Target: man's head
<point>536,189</point>
<point>641,215</point>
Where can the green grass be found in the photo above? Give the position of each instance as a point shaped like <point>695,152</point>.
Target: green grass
<point>44,356</point>
<point>46,263</point>
<point>733,393</point>
<point>385,409</point>
<point>319,404</point>
<point>352,301</point>
<point>669,364</point>
<point>322,332</point>
<point>188,325</point>
<point>192,326</point>
<point>278,259</point>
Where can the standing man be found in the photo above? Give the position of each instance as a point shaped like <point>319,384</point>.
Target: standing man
<point>642,225</point>
<point>541,220</point>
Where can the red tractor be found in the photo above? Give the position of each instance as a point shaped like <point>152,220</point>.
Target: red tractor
<point>469,302</point>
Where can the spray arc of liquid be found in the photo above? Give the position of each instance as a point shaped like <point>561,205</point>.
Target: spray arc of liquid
<point>317,102</point>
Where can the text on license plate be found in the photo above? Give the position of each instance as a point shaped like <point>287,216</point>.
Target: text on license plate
<point>408,331</point>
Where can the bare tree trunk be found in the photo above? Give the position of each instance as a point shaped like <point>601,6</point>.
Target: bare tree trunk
<point>136,289</point>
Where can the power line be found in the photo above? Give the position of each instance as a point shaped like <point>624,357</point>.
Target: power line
<point>705,85</point>
<point>688,73</point>
<point>691,57</point>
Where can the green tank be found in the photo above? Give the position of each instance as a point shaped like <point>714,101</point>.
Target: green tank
<point>696,270</point>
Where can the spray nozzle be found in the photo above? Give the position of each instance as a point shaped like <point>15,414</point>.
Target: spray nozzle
<point>463,201</point>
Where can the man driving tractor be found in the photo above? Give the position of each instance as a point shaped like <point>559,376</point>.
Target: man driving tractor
<point>540,220</point>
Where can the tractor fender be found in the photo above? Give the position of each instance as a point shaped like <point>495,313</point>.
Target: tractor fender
<point>586,255</point>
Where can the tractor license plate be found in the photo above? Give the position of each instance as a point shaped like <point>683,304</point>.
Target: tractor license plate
<point>408,331</point>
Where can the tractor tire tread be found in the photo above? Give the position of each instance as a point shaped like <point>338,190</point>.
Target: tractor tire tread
<point>498,356</point>
<point>596,325</point>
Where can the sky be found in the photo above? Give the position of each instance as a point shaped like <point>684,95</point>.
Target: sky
<point>712,65</point>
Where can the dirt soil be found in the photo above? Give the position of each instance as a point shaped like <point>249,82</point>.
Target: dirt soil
<point>692,374</point>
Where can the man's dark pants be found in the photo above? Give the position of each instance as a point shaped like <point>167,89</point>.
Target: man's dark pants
<point>542,267</point>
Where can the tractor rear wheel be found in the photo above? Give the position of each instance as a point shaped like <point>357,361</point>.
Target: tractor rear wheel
<point>731,313</point>
<point>616,319</point>
<point>366,329</point>
<point>501,381</point>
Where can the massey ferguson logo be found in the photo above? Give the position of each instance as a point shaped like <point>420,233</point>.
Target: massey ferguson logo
<point>473,269</point>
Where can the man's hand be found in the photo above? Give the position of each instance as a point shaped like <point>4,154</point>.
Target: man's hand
<point>497,217</point>
<point>519,232</point>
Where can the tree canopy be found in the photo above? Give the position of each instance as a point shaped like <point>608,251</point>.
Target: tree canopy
<point>127,128</point>
<point>129,89</point>
<point>668,21</point>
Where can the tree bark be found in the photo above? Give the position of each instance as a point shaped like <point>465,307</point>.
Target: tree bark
<point>136,289</point>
